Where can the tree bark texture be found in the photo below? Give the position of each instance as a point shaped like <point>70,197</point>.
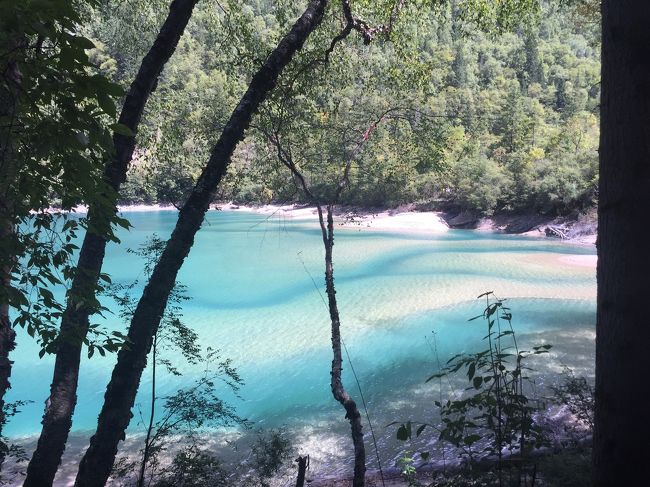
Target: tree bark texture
<point>622,430</point>
<point>7,333</point>
<point>338,391</point>
<point>10,79</point>
<point>115,415</point>
<point>57,418</point>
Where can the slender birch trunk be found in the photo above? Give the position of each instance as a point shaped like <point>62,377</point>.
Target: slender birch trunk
<point>352,413</point>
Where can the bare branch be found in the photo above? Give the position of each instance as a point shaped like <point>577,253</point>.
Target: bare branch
<point>368,32</point>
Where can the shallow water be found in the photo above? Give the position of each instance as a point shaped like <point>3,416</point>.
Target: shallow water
<point>256,285</point>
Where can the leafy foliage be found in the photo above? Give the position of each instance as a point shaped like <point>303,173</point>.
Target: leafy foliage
<point>496,415</point>
<point>11,450</point>
<point>62,105</point>
<point>193,467</point>
<point>190,411</point>
<point>270,453</point>
<point>56,119</point>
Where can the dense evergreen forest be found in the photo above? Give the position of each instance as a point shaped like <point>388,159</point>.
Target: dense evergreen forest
<point>468,106</point>
<point>469,121</point>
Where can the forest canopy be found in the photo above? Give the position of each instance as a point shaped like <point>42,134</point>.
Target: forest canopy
<point>481,122</point>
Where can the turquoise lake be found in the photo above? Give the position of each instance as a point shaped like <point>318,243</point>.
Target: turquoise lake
<point>251,279</point>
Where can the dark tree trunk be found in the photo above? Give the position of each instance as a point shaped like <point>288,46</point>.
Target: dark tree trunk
<point>303,463</point>
<point>57,418</point>
<point>7,333</point>
<point>338,391</point>
<point>115,415</point>
<point>622,430</point>
<point>9,85</point>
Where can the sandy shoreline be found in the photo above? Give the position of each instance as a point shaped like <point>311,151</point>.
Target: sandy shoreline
<point>390,220</point>
<point>385,220</point>
<point>396,220</point>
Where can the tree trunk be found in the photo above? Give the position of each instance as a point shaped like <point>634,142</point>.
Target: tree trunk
<point>115,415</point>
<point>327,232</point>
<point>57,418</point>
<point>7,333</point>
<point>303,463</point>
<point>338,391</point>
<point>622,430</point>
<point>9,85</point>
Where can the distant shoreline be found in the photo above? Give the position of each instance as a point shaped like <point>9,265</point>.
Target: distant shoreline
<point>389,220</point>
<point>408,219</point>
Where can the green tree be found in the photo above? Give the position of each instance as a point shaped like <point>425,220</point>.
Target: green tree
<point>533,66</point>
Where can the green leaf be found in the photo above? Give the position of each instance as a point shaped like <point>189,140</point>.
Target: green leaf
<point>114,89</point>
<point>121,129</point>
<point>83,42</point>
<point>106,104</point>
<point>454,358</point>
<point>471,439</point>
<point>472,370</point>
<point>435,376</point>
<point>402,433</point>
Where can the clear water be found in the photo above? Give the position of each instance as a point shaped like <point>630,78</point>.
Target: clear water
<point>255,284</point>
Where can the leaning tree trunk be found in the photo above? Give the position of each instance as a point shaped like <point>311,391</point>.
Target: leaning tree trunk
<point>338,391</point>
<point>115,415</point>
<point>57,418</point>
<point>622,429</point>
